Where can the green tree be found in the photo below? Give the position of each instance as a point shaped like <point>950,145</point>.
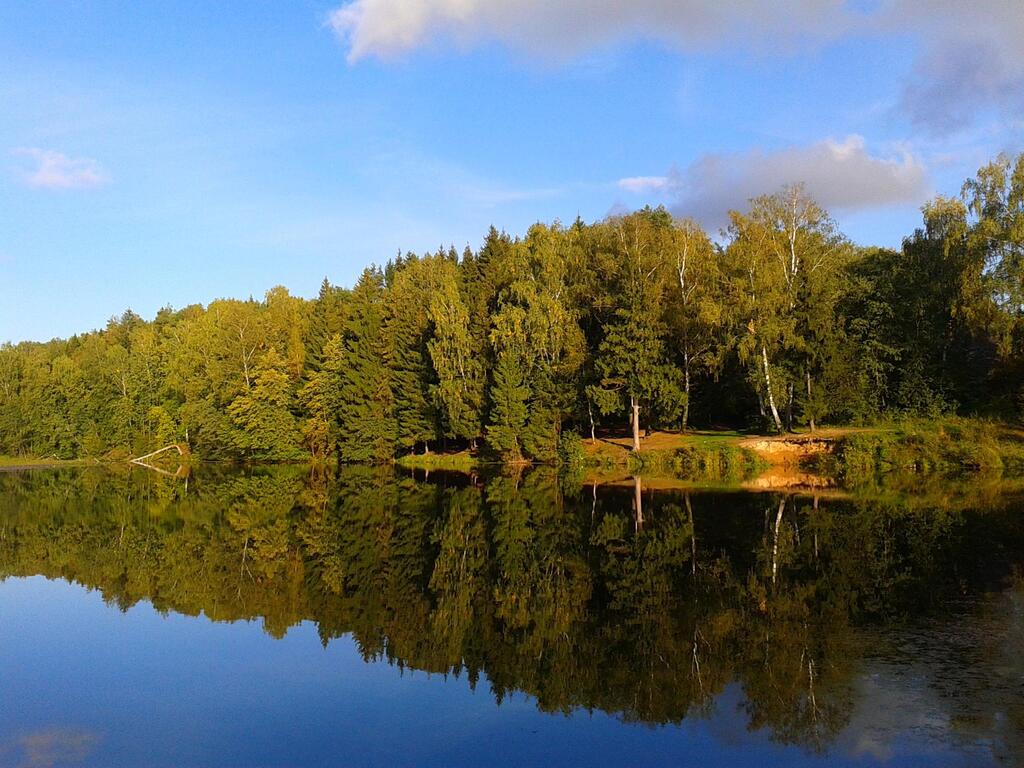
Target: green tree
<point>785,266</point>
<point>365,400</point>
<point>634,369</point>
<point>509,395</point>
<point>697,312</point>
<point>321,398</point>
<point>266,426</point>
<point>457,358</point>
<point>406,335</point>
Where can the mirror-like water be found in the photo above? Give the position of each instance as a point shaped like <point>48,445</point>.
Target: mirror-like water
<point>273,617</point>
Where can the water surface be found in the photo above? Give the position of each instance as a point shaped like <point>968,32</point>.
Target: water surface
<point>277,617</point>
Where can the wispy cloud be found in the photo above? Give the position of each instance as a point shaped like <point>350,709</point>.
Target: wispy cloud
<point>646,185</point>
<point>386,28</point>
<point>972,59</point>
<point>970,54</point>
<point>48,169</point>
<point>841,175</point>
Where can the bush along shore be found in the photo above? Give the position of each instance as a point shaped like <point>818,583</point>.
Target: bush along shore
<point>942,447</point>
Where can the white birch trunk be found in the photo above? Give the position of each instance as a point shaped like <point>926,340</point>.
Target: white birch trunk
<point>635,418</point>
<point>768,386</point>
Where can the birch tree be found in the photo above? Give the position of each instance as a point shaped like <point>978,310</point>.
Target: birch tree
<point>697,311</point>
<point>785,255</point>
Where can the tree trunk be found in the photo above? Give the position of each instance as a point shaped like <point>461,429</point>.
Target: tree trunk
<point>775,543</point>
<point>638,502</point>
<point>810,408</point>
<point>590,412</point>
<point>815,531</point>
<point>693,535</point>
<point>686,381</point>
<point>768,386</point>
<point>789,407</point>
<point>635,418</point>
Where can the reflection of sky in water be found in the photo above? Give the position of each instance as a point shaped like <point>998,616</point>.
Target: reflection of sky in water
<point>85,684</point>
<point>50,747</point>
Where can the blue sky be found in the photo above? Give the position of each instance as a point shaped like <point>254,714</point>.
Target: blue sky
<point>174,152</point>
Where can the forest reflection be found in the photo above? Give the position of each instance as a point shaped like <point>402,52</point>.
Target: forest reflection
<point>646,604</point>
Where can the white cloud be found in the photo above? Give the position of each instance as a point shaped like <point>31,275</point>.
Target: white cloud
<point>644,185</point>
<point>971,55</point>
<point>387,28</point>
<point>54,170</point>
<point>840,175</point>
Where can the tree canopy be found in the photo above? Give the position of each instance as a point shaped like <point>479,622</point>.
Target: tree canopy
<point>636,322</point>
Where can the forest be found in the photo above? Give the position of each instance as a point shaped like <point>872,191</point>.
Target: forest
<point>637,322</point>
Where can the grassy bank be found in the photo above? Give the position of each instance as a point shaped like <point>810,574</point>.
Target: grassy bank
<point>700,462</point>
<point>943,447</point>
<point>36,462</point>
<point>850,454</point>
<point>463,461</point>
<point>713,456</point>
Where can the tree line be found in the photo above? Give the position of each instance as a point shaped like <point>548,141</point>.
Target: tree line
<point>636,322</point>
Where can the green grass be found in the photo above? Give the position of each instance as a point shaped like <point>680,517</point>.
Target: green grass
<point>463,461</point>
<point>714,460</point>
<point>948,446</point>
<point>703,456</point>
<point>17,462</point>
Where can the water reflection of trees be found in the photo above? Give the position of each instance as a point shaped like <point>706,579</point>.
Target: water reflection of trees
<point>569,595</point>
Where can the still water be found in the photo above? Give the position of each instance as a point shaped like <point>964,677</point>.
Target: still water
<point>274,617</point>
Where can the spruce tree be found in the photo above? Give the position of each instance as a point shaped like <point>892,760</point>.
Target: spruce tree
<point>406,334</point>
<point>321,399</point>
<point>509,395</point>
<point>366,405</point>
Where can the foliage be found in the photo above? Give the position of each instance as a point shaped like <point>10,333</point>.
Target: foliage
<point>463,461</point>
<point>638,321</point>
<point>948,446</point>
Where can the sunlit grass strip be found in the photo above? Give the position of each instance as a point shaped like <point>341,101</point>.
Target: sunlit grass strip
<point>463,461</point>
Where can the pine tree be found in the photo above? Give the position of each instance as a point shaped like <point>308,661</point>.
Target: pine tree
<point>509,395</point>
<point>325,321</point>
<point>407,329</point>
<point>366,406</point>
<point>544,424</point>
<point>321,397</point>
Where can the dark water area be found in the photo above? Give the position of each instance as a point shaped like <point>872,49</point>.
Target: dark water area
<point>283,617</point>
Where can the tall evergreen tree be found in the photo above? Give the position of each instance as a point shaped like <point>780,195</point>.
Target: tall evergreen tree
<point>407,331</point>
<point>509,395</point>
<point>635,372</point>
<point>321,398</point>
<point>366,403</point>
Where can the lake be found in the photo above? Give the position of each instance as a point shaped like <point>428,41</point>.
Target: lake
<point>278,616</point>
